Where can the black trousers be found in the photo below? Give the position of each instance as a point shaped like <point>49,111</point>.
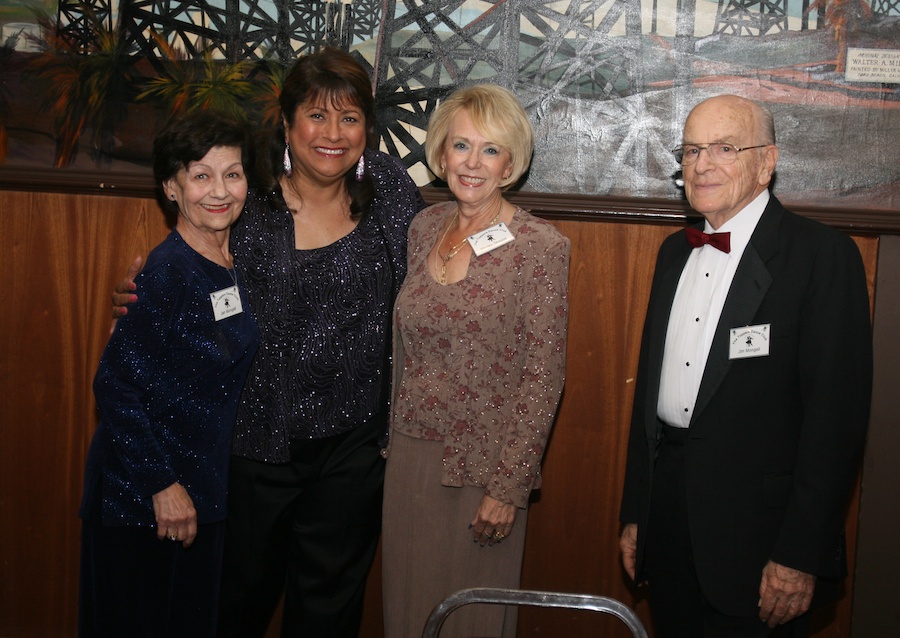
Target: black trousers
<point>133,584</point>
<point>309,529</point>
<point>677,604</point>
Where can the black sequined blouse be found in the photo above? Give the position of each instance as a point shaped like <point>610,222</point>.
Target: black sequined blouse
<point>323,315</point>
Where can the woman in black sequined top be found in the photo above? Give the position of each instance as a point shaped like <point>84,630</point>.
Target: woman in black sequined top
<point>324,253</point>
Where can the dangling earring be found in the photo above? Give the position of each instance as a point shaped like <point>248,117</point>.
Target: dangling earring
<point>286,162</point>
<point>360,168</point>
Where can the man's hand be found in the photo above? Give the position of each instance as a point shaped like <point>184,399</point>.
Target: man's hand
<point>123,293</point>
<point>784,594</point>
<point>628,547</point>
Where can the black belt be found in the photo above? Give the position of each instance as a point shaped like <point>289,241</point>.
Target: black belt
<point>674,436</point>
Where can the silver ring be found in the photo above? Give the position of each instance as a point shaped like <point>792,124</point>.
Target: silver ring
<point>173,537</point>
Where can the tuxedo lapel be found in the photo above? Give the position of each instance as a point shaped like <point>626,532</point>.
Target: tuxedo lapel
<point>748,289</point>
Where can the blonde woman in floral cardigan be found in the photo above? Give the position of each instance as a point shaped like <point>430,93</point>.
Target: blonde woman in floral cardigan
<point>479,365</point>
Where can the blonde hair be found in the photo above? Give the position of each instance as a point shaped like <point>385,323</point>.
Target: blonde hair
<point>497,115</point>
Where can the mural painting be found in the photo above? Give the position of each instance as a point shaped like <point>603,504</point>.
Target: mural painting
<point>607,83</point>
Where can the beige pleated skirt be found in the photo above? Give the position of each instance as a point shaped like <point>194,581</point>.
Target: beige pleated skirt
<point>428,551</point>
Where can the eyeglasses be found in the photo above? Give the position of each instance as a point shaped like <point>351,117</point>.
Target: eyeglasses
<point>719,153</point>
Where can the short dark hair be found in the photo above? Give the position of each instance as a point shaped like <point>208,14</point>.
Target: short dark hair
<point>188,138</point>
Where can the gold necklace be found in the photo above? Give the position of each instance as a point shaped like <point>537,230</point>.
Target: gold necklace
<point>450,254</point>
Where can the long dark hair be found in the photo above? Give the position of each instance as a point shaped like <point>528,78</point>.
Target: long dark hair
<point>330,75</point>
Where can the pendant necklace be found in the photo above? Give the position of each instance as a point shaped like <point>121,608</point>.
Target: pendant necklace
<point>450,254</point>
<point>233,272</point>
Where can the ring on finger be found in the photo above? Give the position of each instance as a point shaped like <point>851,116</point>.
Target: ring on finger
<point>173,537</point>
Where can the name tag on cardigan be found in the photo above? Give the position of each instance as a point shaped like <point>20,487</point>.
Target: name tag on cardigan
<point>489,239</point>
<point>226,302</point>
<point>749,341</point>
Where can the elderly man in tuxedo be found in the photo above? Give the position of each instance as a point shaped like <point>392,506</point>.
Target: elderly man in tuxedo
<point>752,397</point>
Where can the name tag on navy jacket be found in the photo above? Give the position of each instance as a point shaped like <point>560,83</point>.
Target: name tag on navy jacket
<point>226,302</point>
<point>749,341</point>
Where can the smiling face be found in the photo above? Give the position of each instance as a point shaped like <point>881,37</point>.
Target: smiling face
<point>327,138</point>
<point>721,191</point>
<point>476,167</point>
<point>210,193</point>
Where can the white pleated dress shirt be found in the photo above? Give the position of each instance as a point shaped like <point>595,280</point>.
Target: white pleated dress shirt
<point>698,303</point>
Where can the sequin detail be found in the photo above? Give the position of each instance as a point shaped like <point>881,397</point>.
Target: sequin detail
<point>167,389</point>
<point>484,359</point>
<point>324,317</point>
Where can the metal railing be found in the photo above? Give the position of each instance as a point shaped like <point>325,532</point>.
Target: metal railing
<point>534,599</point>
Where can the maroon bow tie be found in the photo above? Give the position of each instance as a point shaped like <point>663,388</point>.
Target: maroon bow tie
<point>697,238</point>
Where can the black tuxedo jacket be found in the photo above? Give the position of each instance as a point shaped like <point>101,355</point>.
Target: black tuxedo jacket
<point>775,441</point>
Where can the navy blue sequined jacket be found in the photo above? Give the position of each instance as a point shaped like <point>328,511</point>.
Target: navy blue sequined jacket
<point>167,389</point>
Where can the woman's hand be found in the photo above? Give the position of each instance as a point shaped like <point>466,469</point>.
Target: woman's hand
<point>123,293</point>
<point>493,521</point>
<point>176,518</point>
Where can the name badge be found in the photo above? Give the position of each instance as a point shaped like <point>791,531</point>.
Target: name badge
<point>489,239</point>
<point>226,302</point>
<point>750,341</point>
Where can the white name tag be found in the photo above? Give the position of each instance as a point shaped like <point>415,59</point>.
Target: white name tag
<point>489,239</point>
<point>226,302</point>
<point>749,341</point>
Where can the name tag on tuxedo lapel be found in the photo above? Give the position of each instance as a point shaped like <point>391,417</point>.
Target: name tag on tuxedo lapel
<point>749,341</point>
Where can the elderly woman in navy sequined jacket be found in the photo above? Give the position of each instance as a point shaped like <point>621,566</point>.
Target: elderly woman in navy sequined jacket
<point>167,389</point>
<point>323,252</point>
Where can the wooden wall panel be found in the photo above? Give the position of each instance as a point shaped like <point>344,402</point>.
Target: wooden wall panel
<point>59,258</point>
<point>573,529</point>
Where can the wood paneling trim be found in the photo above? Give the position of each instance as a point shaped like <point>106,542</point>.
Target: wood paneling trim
<point>77,182</point>
<point>636,210</point>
